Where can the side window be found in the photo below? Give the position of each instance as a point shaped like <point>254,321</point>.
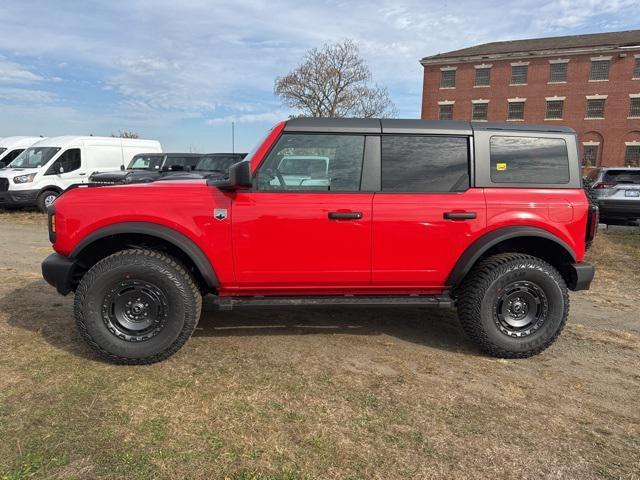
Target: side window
<point>67,162</point>
<point>9,157</point>
<point>425,164</point>
<point>529,160</point>
<point>307,162</point>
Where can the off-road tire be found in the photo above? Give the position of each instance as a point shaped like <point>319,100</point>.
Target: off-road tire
<point>42,198</point>
<point>181,310</point>
<point>484,287</point>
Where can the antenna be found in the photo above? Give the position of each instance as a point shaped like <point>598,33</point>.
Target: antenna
<point>233,137</point>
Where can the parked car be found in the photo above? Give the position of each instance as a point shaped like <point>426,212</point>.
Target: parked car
<point>11,147</point>
<point>617,191</point>
<point>147,167</point>
<point>490,218</point>
<point>213,164</point>
<point>43,171</point>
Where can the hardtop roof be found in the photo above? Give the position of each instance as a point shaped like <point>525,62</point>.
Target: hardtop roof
<point>410,126</point>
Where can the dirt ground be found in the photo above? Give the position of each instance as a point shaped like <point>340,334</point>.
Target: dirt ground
<point>371,394</point>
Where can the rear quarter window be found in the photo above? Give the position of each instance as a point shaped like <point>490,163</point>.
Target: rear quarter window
<point>529,160</point>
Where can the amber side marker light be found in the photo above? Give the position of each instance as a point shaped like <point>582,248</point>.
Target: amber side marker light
<point>52,224</point>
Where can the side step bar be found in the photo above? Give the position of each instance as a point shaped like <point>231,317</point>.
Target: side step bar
<point>229,303</point>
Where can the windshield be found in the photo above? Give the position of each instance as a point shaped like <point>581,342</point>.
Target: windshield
<point>622,176</point>
<point>216,163</point>
<point>146,162</point>
<point>34,157</point>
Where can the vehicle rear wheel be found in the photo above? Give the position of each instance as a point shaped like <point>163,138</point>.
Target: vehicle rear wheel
<point>513,305</point>
<point>46,199</point>
<point>137,307</point>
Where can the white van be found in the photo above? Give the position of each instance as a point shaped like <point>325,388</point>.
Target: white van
<point>43,171</point>
<point>11,147</point>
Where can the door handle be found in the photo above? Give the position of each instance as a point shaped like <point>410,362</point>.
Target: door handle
<point>345,215</point>
<point>459,215</point>
<point>82,174</point>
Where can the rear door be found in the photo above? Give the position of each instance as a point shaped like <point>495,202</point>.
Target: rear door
<point>426,214</point>
<point>310,231</point>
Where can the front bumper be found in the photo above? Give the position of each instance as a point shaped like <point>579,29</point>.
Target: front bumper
<point>581,275</point>
<point>58,272</point>
<point>624,209</point>
<point>18,198</point>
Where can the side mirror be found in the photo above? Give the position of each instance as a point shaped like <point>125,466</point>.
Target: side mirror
<point>59,168</point>
<point>122,167</point>
<point>2,165</point>
<point>240,176</point>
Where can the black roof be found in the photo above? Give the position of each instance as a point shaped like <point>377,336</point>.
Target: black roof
<point>408,126</point>
<point>627,38</point>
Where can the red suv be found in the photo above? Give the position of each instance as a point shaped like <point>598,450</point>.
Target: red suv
<point>490,218</point>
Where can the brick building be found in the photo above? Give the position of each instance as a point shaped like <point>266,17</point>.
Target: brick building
<point>588,82</point>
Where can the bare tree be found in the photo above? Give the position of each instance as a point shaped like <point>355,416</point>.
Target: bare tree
<point>334,82</point>
<point>125,134</point>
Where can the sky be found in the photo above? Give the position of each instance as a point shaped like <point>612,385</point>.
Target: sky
<point>180,71</point>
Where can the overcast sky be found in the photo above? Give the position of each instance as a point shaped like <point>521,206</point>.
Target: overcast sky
<point>181,70</point>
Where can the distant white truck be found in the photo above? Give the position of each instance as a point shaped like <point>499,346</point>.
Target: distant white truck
<point>43,171</point>
<point>11,147</point>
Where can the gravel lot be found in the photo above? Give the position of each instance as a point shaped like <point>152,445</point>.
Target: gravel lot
<point>319,394</point>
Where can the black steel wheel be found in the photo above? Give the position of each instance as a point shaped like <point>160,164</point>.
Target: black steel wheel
<point>137,307</point>
<point>513,305</point>
<point>135,310</point>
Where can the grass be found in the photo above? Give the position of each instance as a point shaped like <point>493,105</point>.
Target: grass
<point>358,394</point>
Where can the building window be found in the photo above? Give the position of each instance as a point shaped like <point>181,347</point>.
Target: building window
<point>634,107</point>
<point>519,74</point>
<point>636,69</point>
<point>599,70</point>
<point>557,72</point>
<point>590,156</point>
<point>554,109</point>
<point>447,79</point>
<point>516,111</point>
<point>595,108</point>
<point>632,156</point>
<point>446,111</point>
<point>480,111</point>
<point>483,77</point>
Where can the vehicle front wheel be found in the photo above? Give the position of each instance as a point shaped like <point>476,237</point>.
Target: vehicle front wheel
<point>46,199</point>
<point>137,307</point>
<point>513,305</point>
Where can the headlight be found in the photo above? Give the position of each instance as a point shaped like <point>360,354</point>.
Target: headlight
<point>24,178</point>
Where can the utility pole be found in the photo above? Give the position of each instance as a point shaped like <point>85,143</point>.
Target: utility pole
<point>233,137</point>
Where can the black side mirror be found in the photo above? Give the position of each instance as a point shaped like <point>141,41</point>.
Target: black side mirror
<point>122,167</point>
<point>2,165</point>
<point>240,176</point>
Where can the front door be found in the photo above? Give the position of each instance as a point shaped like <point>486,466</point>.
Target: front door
<point>425,215</point>
<point>305,226</point>
<point>66,170</point>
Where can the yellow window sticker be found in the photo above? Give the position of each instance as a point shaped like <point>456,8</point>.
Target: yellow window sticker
<point>501,166</point>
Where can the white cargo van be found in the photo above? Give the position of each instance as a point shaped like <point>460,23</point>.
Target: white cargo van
<point>43,171</point>
<point>11,147</point>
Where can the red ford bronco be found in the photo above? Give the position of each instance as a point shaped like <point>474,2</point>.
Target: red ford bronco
<point>489,218</point>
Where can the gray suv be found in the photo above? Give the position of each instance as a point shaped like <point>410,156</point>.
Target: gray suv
<point>617,190</point>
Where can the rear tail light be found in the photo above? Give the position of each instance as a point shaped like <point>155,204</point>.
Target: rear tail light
<point>601,185</point>
<point>593,217</point>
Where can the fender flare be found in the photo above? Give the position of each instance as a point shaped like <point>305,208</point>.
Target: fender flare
<point>51,187</point>
<point>491,239</point>
<point>177,239</point>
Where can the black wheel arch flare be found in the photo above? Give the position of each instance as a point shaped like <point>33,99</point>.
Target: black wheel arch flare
<point>177,239</point>
<point>483,244</point>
